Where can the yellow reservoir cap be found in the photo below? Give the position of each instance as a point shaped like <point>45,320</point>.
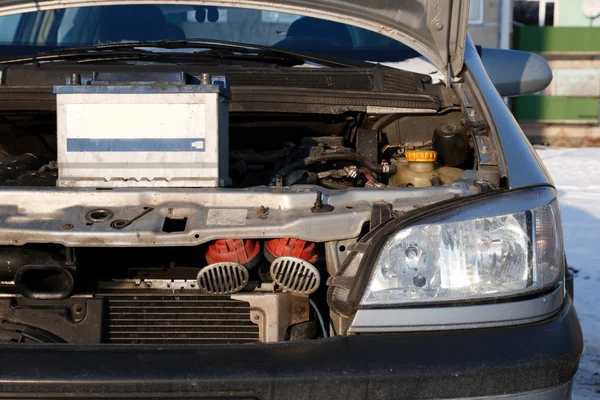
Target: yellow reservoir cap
<point>421,155</point>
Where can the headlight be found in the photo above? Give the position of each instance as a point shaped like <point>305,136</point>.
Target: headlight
<point>507,246</point>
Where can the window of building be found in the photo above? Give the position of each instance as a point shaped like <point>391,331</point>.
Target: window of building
<point>476,12</point>
<point>532,12</point>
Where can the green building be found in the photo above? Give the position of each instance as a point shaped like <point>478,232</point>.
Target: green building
<point>566,33</point>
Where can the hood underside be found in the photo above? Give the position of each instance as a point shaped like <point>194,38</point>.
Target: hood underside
<point>435,28</point>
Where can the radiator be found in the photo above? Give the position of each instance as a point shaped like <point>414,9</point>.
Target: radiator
<point>177,319</point>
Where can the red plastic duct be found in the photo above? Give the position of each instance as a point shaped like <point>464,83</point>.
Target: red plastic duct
<point>290,247</point>
<point>243,251</point>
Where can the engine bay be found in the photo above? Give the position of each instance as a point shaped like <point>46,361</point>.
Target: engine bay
<point>158,213</point>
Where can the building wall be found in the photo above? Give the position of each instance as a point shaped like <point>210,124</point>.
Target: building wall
<point>568,111</point>
<point>570,14</point>
<point>484,22</point>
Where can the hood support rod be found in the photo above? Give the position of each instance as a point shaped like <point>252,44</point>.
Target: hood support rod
<point>448,52</point>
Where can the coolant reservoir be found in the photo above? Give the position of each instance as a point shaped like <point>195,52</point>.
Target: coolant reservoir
<point>419,169</point>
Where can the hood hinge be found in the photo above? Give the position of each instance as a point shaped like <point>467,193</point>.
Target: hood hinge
<point>449,74</point>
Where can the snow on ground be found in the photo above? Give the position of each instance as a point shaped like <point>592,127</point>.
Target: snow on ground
<point>576,174</point>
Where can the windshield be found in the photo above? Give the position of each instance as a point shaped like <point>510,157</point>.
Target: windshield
<point>30,33</point>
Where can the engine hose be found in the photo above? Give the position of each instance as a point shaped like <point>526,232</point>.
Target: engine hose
<point>345,156</point>
<point>265,157</point>
<point>15,166</point>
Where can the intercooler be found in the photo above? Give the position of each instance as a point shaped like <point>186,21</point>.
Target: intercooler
<point>177,319</point>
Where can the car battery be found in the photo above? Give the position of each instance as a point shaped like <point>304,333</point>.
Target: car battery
<point>148,130</point>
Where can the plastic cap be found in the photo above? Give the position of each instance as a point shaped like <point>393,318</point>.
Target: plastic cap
<point>421,155</point>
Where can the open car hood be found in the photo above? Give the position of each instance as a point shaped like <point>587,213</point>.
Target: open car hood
<point>435,28</point>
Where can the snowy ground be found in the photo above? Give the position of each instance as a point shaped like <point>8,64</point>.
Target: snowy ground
<point>576,174</point>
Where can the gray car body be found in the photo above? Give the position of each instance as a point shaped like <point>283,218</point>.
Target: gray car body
<point>435,28</point>
<point>522,168</point>
<point>42,220</point>
<point>520,164</point>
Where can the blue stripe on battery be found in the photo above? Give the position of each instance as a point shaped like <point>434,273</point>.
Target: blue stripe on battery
<point>142,145</point>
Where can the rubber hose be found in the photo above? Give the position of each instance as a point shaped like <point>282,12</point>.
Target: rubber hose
<point>266,157</point>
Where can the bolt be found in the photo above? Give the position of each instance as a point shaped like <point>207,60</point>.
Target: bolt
<point>77,309</point>
<point>299,308</point>
<point>319,206</point>
<point>148,284</point>
<point>256,317</point>
<point>263,212</point>
<point>67,227</point>
<point>76,79</point>
<point>206,79</point>
<point>319,201</point>
<point>439,25</point>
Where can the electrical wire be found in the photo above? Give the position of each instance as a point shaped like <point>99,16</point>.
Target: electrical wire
<point>325,335</point>
<point>333,332</point>
<point>341,156</point>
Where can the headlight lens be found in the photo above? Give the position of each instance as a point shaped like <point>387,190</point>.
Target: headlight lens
<point>472,254</point>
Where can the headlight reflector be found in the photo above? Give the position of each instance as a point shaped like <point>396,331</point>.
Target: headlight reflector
<point>473,254</point>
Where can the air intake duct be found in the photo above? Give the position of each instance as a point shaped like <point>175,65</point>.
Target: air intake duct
<point>37,273</point>
<point>44,282</point>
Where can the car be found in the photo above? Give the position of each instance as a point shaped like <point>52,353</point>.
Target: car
<point>283,199</point>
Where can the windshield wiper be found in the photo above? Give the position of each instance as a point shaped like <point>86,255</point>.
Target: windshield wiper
<point>199,50</point>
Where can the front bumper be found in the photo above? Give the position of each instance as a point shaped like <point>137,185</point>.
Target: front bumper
<point>529,362</point>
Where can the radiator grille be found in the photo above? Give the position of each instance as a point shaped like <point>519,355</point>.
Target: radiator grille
<point>178,319</point>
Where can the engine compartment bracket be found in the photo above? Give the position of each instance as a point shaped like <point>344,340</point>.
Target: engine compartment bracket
<point>275,312</point>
